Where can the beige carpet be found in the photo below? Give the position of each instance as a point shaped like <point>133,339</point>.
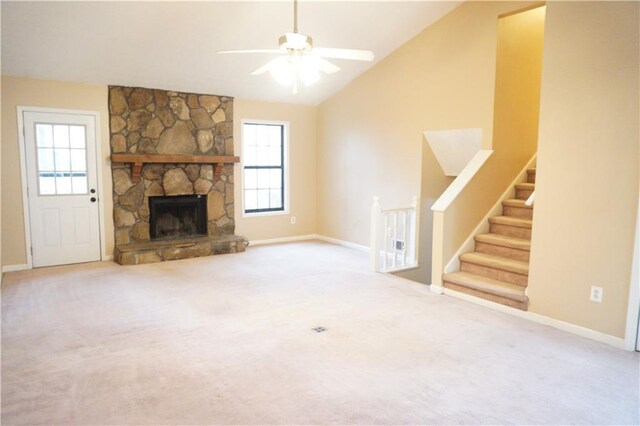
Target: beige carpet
<point>228,339</point>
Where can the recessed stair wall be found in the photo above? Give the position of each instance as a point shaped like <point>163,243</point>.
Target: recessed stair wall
<point>498,269</point>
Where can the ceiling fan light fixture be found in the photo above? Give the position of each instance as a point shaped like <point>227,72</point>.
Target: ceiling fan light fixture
<point>295,42</point>
<point>282,71</point>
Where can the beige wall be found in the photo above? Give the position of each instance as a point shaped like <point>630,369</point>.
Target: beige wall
<point>370,134</point>
<point>52,94</point>
<point>587,181</point>
<point>302,170</point>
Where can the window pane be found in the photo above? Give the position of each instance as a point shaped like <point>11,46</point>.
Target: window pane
<point>275,178</point>
<point>44,135</point>
<point>263,135</point>
<point>250,199</point>
<point>275,156</point>
<point>76,136</point>
<point>263,178</point>
<point>47,184</point>
<point>79,183</point>
<point>63,183</point>
<point>263,156</point>
<point>250,156</point>
<point>45,159</point>
<point>275,135</point>
<point>249,135</point>
<point>250,178</point>
<point>63,162</point>
<point>61,136</point>
<point>275,198</point>
<point>78,160</point>
<point>263,198</point>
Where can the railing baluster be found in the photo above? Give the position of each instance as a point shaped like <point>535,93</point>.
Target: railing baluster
<point>386,240</point>
<point>404,238</point>
<point>395,238</point>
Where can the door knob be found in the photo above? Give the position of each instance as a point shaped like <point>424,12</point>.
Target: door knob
<point>93,199</point>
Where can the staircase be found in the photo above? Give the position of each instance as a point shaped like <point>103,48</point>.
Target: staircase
<point>499,268</point>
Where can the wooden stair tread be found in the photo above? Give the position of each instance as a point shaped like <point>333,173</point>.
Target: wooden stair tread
<point>496,262</point>
<point>526,185</point>
<point>511,221</point>
<point>504,241</point>
<point>487,285</point>
<point>516,203</point>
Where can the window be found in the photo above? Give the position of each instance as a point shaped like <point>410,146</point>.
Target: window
<point>62,159</point>
<point>263,148</point>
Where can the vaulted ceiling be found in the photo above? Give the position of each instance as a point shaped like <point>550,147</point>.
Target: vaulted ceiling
<point>172,45</point>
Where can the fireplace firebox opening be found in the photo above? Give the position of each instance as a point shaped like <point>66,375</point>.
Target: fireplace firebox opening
<point>177,216</point>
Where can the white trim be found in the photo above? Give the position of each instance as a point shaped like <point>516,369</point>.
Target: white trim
<point>20,110</point>
<point>283,240</point>
<point>541,319</point>
<point>631,336</point>
<point>23,182</point>
<point>107,258</point>
<point>13,268</point>
<point>461,181</point>
<point>483,226</point>
<point>287,192</point>
<point>343,243</point>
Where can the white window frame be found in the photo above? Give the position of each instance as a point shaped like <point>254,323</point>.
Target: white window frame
<point>287,201</point>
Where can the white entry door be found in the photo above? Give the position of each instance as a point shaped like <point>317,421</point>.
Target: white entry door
<point>60,151</point>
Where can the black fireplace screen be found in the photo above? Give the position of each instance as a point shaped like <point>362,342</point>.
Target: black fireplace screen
<point>177,216</point>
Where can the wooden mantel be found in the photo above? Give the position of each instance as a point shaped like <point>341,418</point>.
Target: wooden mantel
<point>138,160</point>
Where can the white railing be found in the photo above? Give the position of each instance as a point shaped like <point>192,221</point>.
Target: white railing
<point>394,237</point>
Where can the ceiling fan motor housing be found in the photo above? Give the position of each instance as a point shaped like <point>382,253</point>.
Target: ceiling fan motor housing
<point>295,42</point>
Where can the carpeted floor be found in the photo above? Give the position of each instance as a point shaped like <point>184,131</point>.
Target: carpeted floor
<point>229,339</point>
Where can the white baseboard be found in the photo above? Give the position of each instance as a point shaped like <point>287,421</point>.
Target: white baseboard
<point>541,319</point>
<point>283,240</point>
<point>13,268</point>
<point>343,243</point>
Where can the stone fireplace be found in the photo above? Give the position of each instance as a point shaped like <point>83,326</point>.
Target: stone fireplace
<point>172,168</point>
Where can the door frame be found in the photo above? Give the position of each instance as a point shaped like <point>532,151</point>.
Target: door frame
<point>26,214</point>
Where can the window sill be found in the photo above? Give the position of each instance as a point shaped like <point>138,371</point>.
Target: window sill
<point>259,214</point>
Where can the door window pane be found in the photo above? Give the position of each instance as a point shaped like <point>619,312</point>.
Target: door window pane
<point>78,160</point>
<point>44,135</point>
<point>79,183</point>
<point>63,160</point>
<point>63,183</point>
<point>45,159</point>
<point>61,136</point>
<point>47,184</point>
<point>76,136</point>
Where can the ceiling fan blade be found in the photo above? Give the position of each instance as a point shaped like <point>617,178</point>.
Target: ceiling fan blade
<point>251,51</point>
<point>327,67</point>
<point>354,54</point>
<point>267,67</point>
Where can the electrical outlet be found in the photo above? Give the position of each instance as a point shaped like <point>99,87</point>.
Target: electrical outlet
<point>596,294</point>
<point>293,220</point>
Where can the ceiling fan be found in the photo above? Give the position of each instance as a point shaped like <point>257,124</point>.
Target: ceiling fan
<point>300,60</point>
